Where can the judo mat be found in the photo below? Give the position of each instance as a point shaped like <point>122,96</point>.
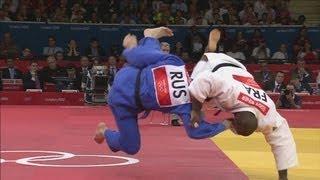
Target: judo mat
<point>55,142</point>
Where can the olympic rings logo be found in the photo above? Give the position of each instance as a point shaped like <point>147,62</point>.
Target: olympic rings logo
<point>41,161</point>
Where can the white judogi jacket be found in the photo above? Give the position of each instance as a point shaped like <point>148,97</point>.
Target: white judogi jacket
<point>233,89</point>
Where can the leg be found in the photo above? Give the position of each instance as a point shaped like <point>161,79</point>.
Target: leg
<point>204,130</point>
<point>214,38</point>
<point>148,51</point>
<point>283,148</point>
<point>127,139</point>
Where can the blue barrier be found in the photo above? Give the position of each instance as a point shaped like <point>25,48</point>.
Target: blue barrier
<point>35,35</point>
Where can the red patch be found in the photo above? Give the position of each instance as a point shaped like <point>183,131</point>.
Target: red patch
<point>259,105</point>
<point>247,80</point>
<point>162,86</point>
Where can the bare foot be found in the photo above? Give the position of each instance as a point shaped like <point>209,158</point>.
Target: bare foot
<point>158,32</point>
<point>214,37</point>
<point>130,41</point>
<point>99,137</point>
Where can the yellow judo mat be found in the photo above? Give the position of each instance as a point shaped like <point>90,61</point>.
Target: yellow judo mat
<point>253,155</point>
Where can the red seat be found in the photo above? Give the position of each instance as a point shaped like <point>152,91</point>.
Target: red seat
<point>50,87</point>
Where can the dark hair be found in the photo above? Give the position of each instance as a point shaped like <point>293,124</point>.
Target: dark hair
<point>93,39</point>
<point>280,72</point>
<point>245,123</point>
<point>33,61</point>
<point>52,37</point>
<point>72,40</point>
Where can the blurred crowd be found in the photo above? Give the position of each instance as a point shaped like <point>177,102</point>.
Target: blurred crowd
<point>245,49</point>
<point>159,12</point>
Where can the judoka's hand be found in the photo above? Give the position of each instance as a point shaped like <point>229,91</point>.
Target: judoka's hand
<point>195,119</point>
<point>130,41</point>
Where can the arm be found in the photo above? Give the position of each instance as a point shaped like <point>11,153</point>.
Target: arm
<point>195,112</point>
<point>283,148</point>
<point>200,89</point>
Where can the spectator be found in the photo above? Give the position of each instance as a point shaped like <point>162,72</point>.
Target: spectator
<point>112,69</point>
<point>197,47</point>
<point>52,70</point>
<point>121,62</point>
<point>212,16</point>
<point>301,87</point>
<point>11,72</point>
<point>94,18</point>
<point>215,19</point>
<point>82,72</point>
<point>115,50</point>
<point>163,16</point>
<point>256,38</point>
<point>300,41</point>
<point>247,16</point>
<point>114,19</point>
<point>73,82</point>
<point>4,15</point>
<point>23,14</point>
<point>39,16</point>
<point>301,20</point>
<point>84,65</point>
<point>264,76</point>
<point>281,53</point>
<point>77,13</point>
<point>107,9</point>
<point>11,4</point>
<point>231,17</point>
<point>72,49</point>
<point>156,5</point>
<point>277,85</point>
<point>179,5</point>
<point>265,19</point>
<point>52,48</point>
<point>197,20</point>
<point>178,49</point>
<point>32,79</point>
<point>241,41</point>
<point>179,19</point>
<point>165,47</point>
<point>271,14</point>
<point>127,20</point>
<point>189,40</point>
<point>260,6</point>
<point>308,54</point>
<point>236,53</point>
<point>301,72</point>
<point>288,99</point>
<point>95,50</point>
<point>262,51</point>
<point>59,57</point>
<point>284,12</point>
<point>26,54</point>
<point>7,46</point>
<point>224,42</point>
<point>60,14</point>
<point>214,8</point>
<point>145,19</point>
